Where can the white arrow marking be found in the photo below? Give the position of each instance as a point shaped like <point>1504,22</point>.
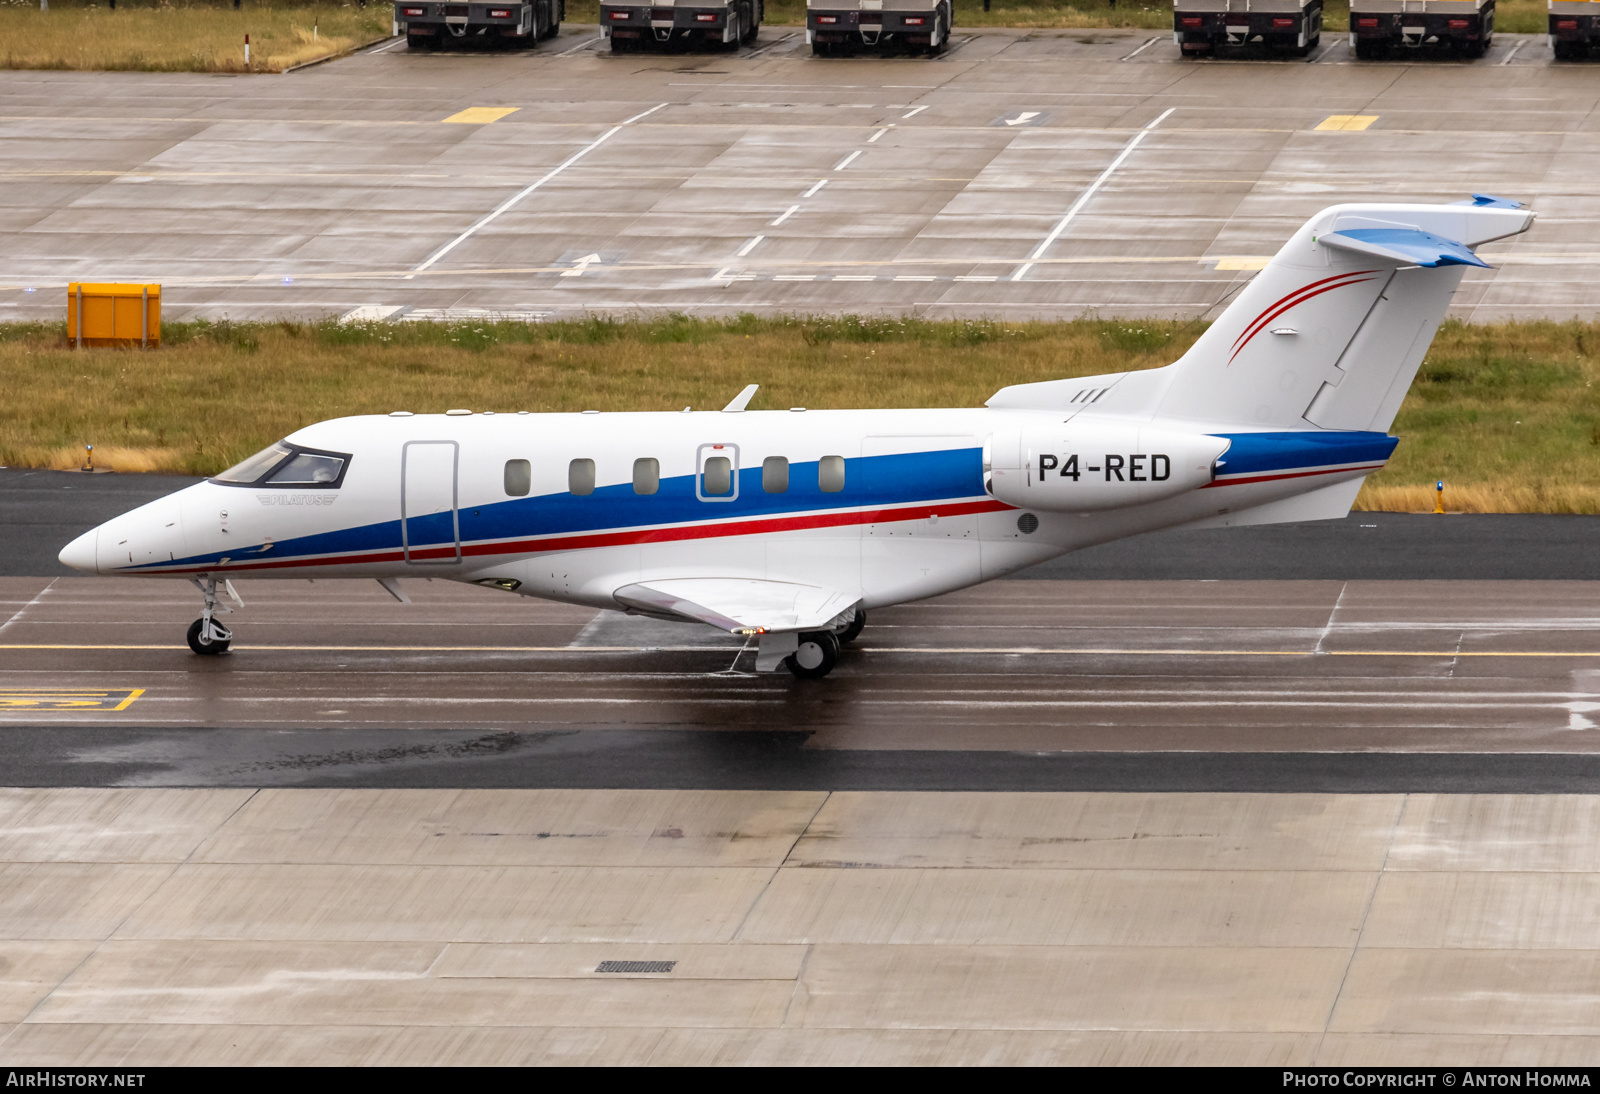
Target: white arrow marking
<point>581,265</point>
<point>1025,116</point>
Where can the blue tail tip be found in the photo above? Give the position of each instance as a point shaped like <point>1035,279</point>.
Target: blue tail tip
<point>1489,201</point>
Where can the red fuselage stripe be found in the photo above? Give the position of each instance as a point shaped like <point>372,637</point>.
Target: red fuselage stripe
<point>1289,475</point>
<point>619,539</point>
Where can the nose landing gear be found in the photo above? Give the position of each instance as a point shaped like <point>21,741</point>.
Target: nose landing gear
<point>206,635</point>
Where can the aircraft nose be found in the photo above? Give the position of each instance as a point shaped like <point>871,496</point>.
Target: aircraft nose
<point>80,554</point>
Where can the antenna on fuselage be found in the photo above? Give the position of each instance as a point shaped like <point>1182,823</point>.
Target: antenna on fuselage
<point>741,400</point>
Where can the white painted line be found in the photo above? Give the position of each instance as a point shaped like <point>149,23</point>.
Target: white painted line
<point>387,48</point>
<point>774,45</point>
<point>1083,199</point>
<point>913,112</point>
<point>748,247</point>
<point>855,277</point>
<point>977,277</point>
<point>787,213</point>
<point>1513,52</point>
<point>582,45</point>
<point>724,275</point>
<point>842,164</point>
<point>794,277</point>
<point>914,277</point>
<point>874,138</point>
<point>530,188</point>
<point>820,184</point>
<point>1141,49</point>
<point>22,611</point>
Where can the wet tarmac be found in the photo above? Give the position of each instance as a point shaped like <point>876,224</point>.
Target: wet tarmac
<point>1013,685</point>
<point>1026,173</point>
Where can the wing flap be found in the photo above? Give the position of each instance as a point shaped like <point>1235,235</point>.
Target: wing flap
<point>740,605</point>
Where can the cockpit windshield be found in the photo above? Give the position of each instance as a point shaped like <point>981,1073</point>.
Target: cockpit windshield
<point>308,469</point>
<point>287,465</point>
<point>252,470</point>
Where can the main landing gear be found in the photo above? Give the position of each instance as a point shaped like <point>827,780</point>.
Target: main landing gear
<point>206,635</point>
<point>818,651</point>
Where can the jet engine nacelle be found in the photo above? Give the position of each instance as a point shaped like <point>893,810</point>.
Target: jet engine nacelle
<point>1068,468</point>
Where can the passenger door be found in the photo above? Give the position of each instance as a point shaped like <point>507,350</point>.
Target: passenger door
<point>430,527</point>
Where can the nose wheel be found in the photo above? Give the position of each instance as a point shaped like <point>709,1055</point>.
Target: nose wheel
<point>206,635</point>
<point>209,637</point>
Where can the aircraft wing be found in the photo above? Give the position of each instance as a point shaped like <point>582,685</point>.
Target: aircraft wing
<point>741,605</point>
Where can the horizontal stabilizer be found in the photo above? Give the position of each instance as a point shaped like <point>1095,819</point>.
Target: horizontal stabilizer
<point>740,605</point>
<point>1410,246</point>
<point>1489,201</point>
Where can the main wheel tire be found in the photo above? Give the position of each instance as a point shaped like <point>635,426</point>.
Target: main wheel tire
<point>1369,50</point>
<point>853,631</point>
<point>822,49</point>
<point>1571,51</point>
<point>818,653</point>
<point>553,20</point>
<point>752,27</point>
<point>207,648</point>
<point>418,41</point>
<point>939,34</point>
<point>732,44</point>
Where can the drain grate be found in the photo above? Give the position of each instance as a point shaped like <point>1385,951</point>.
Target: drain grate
<point>636,966</point>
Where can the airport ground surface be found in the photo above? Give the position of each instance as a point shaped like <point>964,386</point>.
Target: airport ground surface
<point>1337,807</point>
<point>1067,821</point>
<point>977,183</point>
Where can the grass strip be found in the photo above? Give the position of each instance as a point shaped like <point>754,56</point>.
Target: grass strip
<point>1507,414</point>
<point>184,36</point>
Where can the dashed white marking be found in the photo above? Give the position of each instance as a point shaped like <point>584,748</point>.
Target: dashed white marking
<point>1141,49</point>
<point>748,247</point>
<point>530,188</point>
<point>787,213</point>
<point>581,45</point>
<point>1083,199</point>
<point>913,112</point>
<point>820,184</point>
<point>842,164</point>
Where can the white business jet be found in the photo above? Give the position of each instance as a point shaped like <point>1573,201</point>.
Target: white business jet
<point>789,526</point>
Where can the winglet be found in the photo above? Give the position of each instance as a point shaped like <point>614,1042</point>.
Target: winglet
<point>741,400</point>
<point>1411,246</point>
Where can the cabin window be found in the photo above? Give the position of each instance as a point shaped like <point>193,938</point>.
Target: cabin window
<point>646,476</point>
<point>580,476</point>
<point>718,476</point>
<point>830,474</point>
<point>519,478</point>
<point>775,475</point>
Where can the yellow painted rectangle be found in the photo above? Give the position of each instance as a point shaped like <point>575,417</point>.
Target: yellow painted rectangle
<point>482,115</point>
<point>1346,123</point>
<point>1242,262</point>
<point>114,315</point>
<point>68,698</point>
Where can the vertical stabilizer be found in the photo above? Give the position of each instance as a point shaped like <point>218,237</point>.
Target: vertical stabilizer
<point>1331,333</point>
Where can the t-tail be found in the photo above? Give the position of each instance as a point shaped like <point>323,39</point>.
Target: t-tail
<point>1330,334</point>
<point>1301,377</point>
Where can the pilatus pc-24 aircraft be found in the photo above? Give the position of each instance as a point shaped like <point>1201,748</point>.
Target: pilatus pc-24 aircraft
<point>789,526</point>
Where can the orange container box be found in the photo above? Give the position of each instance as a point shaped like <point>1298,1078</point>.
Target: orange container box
<point>114,315</point>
